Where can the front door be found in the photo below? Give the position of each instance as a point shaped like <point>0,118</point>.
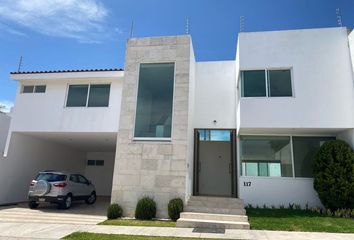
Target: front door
<point>214,163</point>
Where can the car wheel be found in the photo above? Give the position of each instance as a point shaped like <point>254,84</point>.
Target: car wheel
<point>32,205</point>
<point>68,200</point>
<point>91,199</point>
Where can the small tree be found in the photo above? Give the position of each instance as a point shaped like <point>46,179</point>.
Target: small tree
<point>334,175</point>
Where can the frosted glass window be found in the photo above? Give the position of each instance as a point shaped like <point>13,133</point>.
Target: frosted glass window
<point>155,101</point>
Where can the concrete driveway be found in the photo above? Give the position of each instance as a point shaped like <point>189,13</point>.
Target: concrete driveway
<point>79,213</point>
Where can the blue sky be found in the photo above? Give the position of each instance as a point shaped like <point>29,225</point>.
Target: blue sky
<point>83,34</point>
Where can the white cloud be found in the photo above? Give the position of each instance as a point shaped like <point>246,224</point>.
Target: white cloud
<point>5,106</point>
<point>83,20</point>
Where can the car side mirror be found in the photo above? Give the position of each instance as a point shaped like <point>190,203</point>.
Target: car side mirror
<point>89,182</point>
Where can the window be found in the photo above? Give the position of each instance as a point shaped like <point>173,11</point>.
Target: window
<point>253,83</point>
<point>95,162</point>
<point>51,177</point>
<point>27,89</point>
<point>155,101</point>
<point>266,156</point>
<point>214,135</point>
<point>77,96</point>
<point>40,89</point>
<point>94,95</point>
<point>305,149</point>
<point>74,178</point>
<point>279,83</point>
<point>82,179</point>
<point>266,83</point>
<point>99,95</point>
<point>33,88</point>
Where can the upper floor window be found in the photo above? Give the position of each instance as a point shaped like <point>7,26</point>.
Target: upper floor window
<point>33,88</point>
<point>155,100</point>
<point>266,83</point>
<point>93,95</point>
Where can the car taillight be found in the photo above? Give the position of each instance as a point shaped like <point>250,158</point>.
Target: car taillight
<point>60,185</point>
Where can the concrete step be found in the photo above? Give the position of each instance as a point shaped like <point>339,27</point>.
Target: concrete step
<point>214,204</point>
<point>216,199</point>
<point>229,211</point>
<point>214,217</point>
<point>200,223</point>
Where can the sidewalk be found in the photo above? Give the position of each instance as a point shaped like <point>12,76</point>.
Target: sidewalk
<point>56,231</point>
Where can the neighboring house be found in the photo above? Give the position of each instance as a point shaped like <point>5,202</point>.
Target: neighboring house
<point>168,126</point>
<point>4,129</point>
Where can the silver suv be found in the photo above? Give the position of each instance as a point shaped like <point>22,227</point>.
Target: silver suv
<point>61,188</point>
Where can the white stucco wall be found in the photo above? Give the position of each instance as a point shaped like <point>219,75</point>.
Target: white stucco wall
<point>351,47</point>
<point>4,129</point>
<point>101,176</point>
<point>278,191</point>
<point>26,157</point>
<point>347,136</point>
<point>215,95</point>
<point>322,79</point>
<point>47,112</point>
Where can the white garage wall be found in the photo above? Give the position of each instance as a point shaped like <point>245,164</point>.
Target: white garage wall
<point>278,191</point>
<point>4,128</point>
<point>26,157</point>
<point>101,176</point>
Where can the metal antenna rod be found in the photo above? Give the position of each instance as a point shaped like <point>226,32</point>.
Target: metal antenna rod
<point>131,29</point>
<point>339,17</point>
<point>187,25</point>
<point>19,64</point>
<point>242,23</point>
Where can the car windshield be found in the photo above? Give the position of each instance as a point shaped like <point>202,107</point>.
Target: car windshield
<point>51,177</point>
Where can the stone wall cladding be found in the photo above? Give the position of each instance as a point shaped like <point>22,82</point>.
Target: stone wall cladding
<point>150,168</point>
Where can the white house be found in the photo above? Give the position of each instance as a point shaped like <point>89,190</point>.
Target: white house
<point>168,126</point>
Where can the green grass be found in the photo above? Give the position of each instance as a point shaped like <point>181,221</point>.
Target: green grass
<point>96,236</point>
<point>297,220</point>
<point>141,223</point>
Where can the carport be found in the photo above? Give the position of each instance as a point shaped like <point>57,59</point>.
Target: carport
<point>90,154</point>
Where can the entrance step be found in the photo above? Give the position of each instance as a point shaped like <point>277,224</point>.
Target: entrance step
<point>214,212</point>
<point>200,223</point>
<point>216,217</point>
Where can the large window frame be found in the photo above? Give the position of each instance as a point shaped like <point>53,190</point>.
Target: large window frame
<point>87,94</point>
<point>267,89</point>
<point>241,173</point>
<point>155,139</point>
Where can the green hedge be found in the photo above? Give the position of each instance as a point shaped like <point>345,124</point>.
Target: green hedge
<point>334,175</point>
<point>145,209</point>
<point>175,207</point>
<point>114,211</point>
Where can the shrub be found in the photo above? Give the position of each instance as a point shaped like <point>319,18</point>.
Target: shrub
<point>334,175</point>
<point>114,211</point>
<point>145,209</point>
<point>175,207</point>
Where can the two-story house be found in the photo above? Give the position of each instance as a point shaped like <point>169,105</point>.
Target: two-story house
<point>169,126</point>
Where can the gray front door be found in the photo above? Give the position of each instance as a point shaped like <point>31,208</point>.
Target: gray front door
<point>214,163</point>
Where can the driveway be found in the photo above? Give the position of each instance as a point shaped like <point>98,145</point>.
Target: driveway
<point>79,213</point>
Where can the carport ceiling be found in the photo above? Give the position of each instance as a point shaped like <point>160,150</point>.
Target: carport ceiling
<point>90,142</point>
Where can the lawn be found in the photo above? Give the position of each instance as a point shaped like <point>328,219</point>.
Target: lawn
<point>96,236</point>
<point>297,220</point>
<point>141,223</point>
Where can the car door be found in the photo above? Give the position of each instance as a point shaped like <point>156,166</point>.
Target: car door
<point>84,186</point>
<point>75,185</point>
